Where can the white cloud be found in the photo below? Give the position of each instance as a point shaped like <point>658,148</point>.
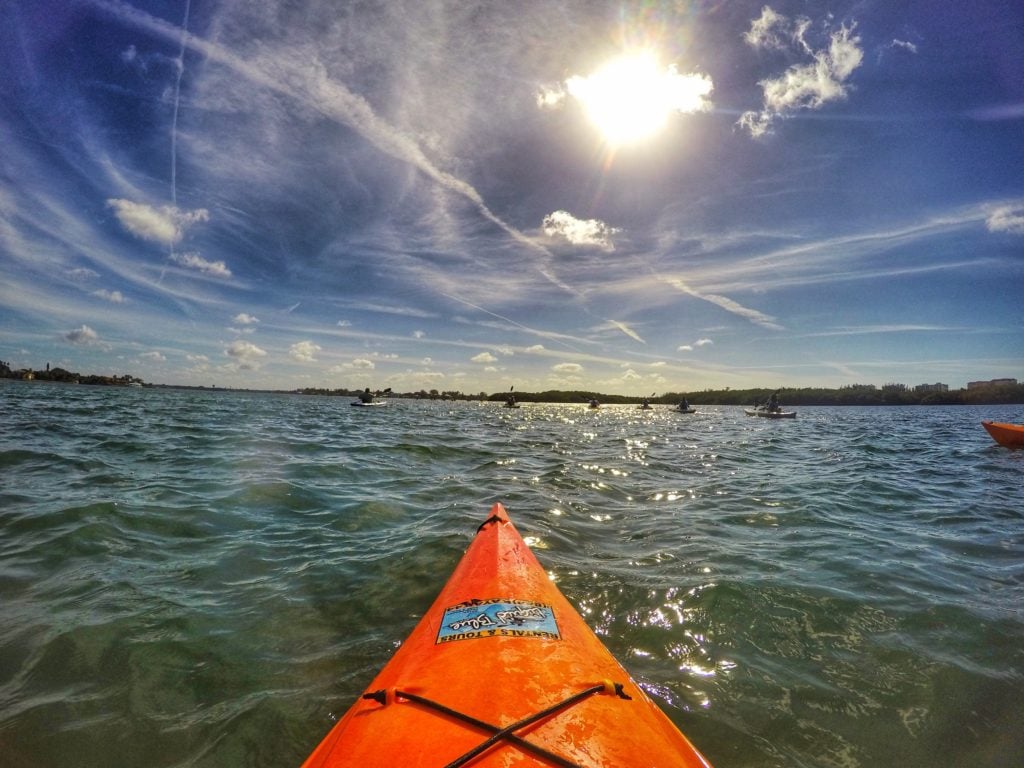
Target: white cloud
<point>154,356</point>
<point>166,224</point>
<point>246,354</point>
<point>551,96</point>
<point>83,335</point>
<point>1006,219</point>
<point>698,343</point>
<point>304,351</point>
<point>363,363</point>
<point>418,334</point>
<point>583,232</point>
<point>82,274</point>
<point>114,297</point>
<point>631,375</point>
<point>344,324</point>
<point>771,31</point>
<point>244,318</point>
<point>484,357</point>
<point>803,86</point>
<point>197,358</point>
<point>567,368</point>
<point>535,349</point>
<point>904,44</point>
<point>198,263</point>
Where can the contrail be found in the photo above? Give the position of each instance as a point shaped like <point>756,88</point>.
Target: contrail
<point>174,131</point>
<point>177,98</point>
<point>334,100</point>
<point>543,334</point>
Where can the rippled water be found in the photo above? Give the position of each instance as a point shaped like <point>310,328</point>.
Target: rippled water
<point>209,579</point>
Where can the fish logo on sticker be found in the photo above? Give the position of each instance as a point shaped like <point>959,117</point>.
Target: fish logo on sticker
<point>497,618</point>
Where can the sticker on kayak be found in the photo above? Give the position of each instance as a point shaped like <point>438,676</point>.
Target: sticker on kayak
<point>497,618</point>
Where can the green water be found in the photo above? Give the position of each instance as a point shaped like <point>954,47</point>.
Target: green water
<point>210,579</point>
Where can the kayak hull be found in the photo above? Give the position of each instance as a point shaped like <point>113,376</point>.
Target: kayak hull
<point>1007,435</point>
<point>770,414</point>
<point>374,404</point>
<point>499,645</point>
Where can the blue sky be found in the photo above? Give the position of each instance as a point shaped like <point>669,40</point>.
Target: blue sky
<point>625,197</point>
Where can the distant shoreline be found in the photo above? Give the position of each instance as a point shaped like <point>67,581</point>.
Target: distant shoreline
<point>858,394</point>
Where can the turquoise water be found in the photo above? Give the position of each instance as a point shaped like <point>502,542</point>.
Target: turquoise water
<point>209,579</point>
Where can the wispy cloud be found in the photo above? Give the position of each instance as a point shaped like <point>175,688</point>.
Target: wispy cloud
<point>114,297</point>
<point>754,316</point>
<point>311,85</point>
<point>695,345</point>
<point>1007,219</point>
<point>873,329</point>
<point>626,330</point>
<point>199,264</point>
<point>567,368</point>
<point>805,86</point>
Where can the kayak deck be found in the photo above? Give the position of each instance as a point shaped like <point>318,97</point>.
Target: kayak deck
<point>502,671</point>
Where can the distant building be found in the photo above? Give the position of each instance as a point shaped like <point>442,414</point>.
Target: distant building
<point>932,388</point>
<point>992,383</point>
<point>894,387</point>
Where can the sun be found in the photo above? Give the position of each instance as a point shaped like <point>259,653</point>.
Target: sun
<point>631,97</point>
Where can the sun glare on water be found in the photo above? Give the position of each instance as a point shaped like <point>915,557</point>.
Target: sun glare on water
<point>631,98</point>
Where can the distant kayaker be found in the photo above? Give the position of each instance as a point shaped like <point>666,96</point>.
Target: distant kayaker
<point>366,396</point>
<point>510,401</point>
<point>773,402</point>
<point>684,405</point>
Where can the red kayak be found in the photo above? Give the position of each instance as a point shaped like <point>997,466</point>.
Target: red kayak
<point>1008,435</point>
<point>502,671</point>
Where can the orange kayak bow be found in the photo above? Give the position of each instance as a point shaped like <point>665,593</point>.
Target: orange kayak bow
<point>502,671</point>
<point>1008,435</point>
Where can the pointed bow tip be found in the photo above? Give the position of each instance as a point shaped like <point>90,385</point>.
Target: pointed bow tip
<point>496,515</point>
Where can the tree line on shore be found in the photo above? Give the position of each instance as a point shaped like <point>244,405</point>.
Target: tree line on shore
<point>856,394</point>
<point>853,394</point>
<point>65,376</point>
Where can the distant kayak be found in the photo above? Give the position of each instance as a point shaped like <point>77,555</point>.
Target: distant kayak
<point>685,410</point>
<point>361,404</point>
<point>769,414</point>
<point>1007,435</point>
<point>502,671</point>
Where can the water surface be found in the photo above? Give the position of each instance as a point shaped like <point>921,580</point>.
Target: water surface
<point>199,578</point>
